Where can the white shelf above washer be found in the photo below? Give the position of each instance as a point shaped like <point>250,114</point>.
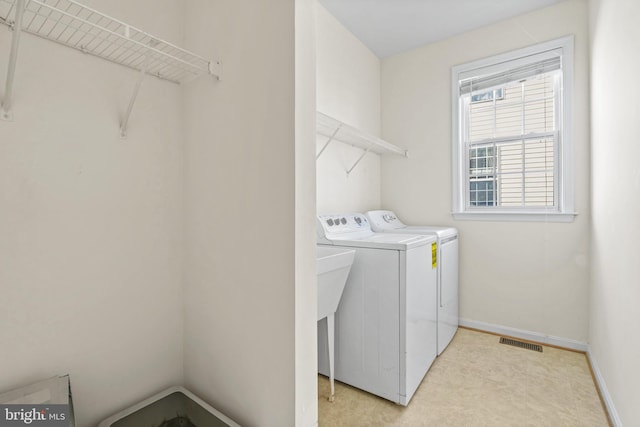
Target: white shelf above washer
<point>335,130</point>
<point>72,24</point>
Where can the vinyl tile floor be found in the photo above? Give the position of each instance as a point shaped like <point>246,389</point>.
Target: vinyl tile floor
<point>479,382</point>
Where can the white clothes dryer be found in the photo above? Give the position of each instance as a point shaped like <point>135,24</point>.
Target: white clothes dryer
<point>386,322</point>
<point>446,260</point>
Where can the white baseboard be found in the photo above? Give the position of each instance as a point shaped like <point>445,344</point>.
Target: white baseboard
<point>525,335</point>
<point>604,392</point>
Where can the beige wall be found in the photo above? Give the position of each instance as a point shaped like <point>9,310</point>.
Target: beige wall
<point>528,276</point>
<point>614,314</point>
<point>348,89</point>
<point>306,385</point>
<point>94,226</point>
<point>241,222</point>
<point>91,224</point>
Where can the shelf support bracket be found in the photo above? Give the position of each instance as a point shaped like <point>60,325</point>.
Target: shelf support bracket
<point>326,144</point>
<point>215,69</point>
<point>136,89</point>
<point>364,153</point>
<point>5,110</point>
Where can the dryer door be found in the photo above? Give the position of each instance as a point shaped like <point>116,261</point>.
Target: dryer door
<point>448,293</point>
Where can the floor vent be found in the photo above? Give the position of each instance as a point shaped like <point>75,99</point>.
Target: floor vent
<point>521,344</point>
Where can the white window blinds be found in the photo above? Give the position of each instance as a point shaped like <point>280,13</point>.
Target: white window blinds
<point>504,73</point>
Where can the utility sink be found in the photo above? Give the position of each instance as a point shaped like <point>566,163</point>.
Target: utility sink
<point>333,266</point>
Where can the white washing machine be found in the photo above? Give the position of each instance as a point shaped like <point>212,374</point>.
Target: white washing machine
<point>386,322</point>
<point>446,259</point>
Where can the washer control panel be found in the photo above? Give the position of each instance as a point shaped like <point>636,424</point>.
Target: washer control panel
<point>342,224</point>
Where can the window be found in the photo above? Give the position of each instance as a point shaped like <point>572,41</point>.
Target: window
<point>511,135</point>
<point>482,176</point>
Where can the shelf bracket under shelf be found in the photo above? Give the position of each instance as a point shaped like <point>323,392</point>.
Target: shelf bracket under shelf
<point>5,109</point>
<point>364,153</point>
<point>136,89</point>
<point>326,144</point>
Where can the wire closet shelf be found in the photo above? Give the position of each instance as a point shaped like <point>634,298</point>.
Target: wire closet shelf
<point>327,126</point>
<point>335,130</point>
<point>72,24</point>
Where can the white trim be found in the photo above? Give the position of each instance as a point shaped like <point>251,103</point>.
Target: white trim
<point>174,389</point>
<point>525,335</point>
<point>457,163</point>
<point>516,216</point>
<point>565,193</point>
<point>604,392</point>
<point>513,138</point>
<point>516,53</point>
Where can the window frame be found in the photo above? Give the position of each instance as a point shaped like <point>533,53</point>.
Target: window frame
<point>564,211</point>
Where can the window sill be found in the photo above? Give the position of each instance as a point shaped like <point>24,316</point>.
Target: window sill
<point>516,216</point>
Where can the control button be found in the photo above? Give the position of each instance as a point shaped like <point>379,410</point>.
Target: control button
<point>330,222</point>
<point>358,220</point>
<point>343,220</point>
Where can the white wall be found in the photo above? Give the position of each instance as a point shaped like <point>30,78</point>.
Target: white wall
<point>614,314</point>
<point>241,221</point>
<point>529,276</point>
<point>348,89</point>
<point>91,246</point>
<point>306,385</point>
